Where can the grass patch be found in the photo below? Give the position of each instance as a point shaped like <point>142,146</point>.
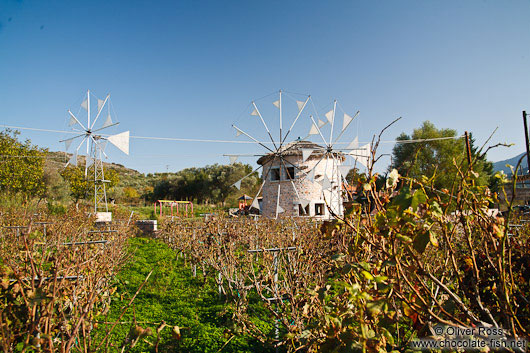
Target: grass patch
<point>173,295</point>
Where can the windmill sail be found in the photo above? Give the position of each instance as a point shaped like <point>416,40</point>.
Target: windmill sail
<point>121,141</point>
<point>108,122</point>
<point>73,159</point>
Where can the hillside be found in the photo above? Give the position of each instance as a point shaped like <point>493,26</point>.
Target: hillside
<point>129,178</point>
<point>57,160</point>
<point>209,184</point>
<point>501,165</point>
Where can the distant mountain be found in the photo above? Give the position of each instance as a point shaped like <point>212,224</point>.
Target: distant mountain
<point>501,165</point>
<point>56,162</point>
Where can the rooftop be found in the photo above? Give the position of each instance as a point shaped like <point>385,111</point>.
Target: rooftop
<point>295,149</point>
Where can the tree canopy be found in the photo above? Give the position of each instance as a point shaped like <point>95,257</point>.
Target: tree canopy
<point>21,165</point>
<point>212,183</point>
<point>80,186</point>
<point>436,159</point>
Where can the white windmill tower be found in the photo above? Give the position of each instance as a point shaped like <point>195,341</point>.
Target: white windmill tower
<point>90,134</point>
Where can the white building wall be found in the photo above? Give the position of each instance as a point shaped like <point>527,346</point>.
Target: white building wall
<point>305,188</point>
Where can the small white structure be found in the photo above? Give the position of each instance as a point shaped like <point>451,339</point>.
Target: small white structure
<point>103,217</point>
<point>303,179</point>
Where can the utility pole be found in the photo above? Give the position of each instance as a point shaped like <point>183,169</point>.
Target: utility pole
<point>526,142</point>
<point>468,149</point>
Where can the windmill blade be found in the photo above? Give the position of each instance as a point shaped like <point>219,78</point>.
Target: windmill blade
<point>252,138</point>
<point>262,183</point>
<point>313,130</point>
<point>276,104</point>
<point>278,208</point>
<point>281,120</point>
<point>306,153</point>
<point>74,120</point>
<point>255,203</point>
<point>325,182</point>
<point>108,122</point>
<point>346,123</point>
<point>348,119</point>
<point>329,115</point>
<point>104,127</point>
<point>84,104</point>
<point>332,121</point>
<point>233,159</point>
<point>265,178</point>
<point>249,174</point>
<point>300,104</point>
<point>264,124</point>
<point>311,175</point>
<point>300,109</point>
<point>354,144</point>
<point>102,145</point>
<point>101,104</point>
<point>68,142</point>
<point>73,160</point>
<point>121,141</point>
<point>362,154</point>
<point>315,126</point>
<point>344,169</point>
<point>88,162</point>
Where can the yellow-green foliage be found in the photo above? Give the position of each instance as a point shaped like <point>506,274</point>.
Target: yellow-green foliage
<point>81,185</point>
<point>21,165</point>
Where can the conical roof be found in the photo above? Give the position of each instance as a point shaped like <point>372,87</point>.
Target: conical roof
<point>295,149</point>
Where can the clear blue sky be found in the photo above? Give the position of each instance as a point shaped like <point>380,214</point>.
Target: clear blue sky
<point>189,68</point>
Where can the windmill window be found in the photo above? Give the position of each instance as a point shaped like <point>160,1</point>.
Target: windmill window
<point>319,209</point>
<point>275,174</point>
<point>303,211</point>
<point>289,173</point>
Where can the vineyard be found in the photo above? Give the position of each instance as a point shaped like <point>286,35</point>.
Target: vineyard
<point>264,176</point>
<point>56,277</point>
<point>411,258</point>
<point>370,282</point>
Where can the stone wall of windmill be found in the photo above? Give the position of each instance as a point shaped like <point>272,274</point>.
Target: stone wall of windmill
<point>301,195</point>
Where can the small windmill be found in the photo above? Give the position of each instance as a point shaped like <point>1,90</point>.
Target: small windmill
<point>95,143</point>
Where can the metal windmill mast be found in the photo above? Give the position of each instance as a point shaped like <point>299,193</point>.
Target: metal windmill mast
<point>96,142</point>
